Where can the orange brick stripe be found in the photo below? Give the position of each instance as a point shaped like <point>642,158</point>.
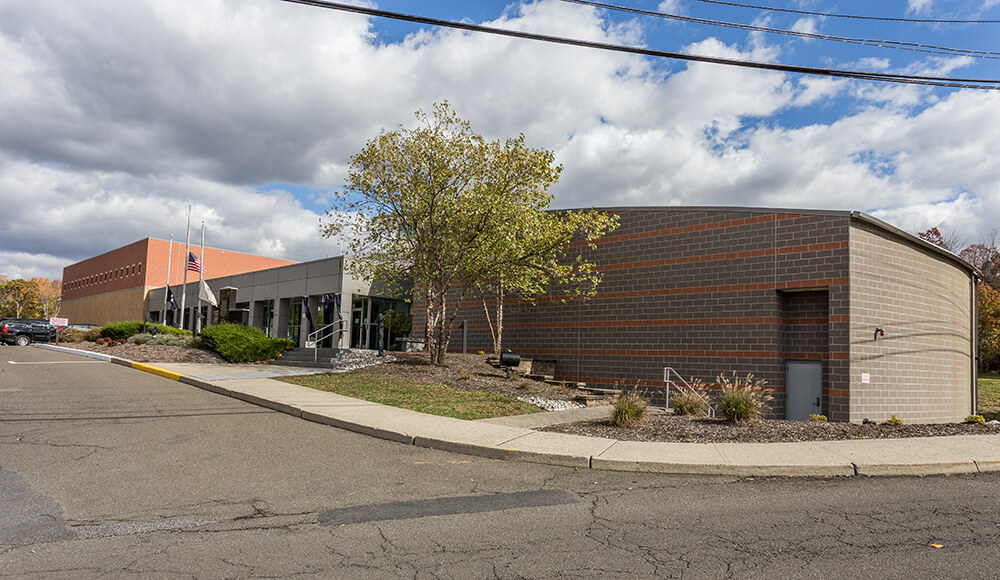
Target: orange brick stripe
<point>790,285</point>
<point>661,322</point>
<point>767,354</point>
<point>692,228</point>
<point>727,256</point>
<point>645,383</point>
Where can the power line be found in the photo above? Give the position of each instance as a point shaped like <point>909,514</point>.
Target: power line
<point>895,44</point>
<point>958,83</point>
<point>852,16</point>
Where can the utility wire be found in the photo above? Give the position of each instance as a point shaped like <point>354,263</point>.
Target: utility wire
<point>896,44</point>
<point>855,17</point>
<point>958,83</point>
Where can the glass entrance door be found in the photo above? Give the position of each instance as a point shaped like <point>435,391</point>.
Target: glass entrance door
<point>365,311</point>
<point>359,322</point>
<point>294,320</point>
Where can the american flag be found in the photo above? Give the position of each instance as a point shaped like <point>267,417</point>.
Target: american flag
<point>193,262</point>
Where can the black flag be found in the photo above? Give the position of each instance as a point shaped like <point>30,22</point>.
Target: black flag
<point>309,316</point>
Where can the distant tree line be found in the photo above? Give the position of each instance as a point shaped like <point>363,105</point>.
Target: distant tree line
<point>31,298</point>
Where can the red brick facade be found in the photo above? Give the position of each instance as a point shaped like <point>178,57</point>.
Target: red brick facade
<point>94,290</point>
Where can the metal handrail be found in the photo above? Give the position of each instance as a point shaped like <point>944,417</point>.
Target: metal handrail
<point>318,338</point>
<point>681,386</point>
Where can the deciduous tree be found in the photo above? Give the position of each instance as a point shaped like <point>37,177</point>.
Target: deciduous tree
<point>530,255</point>
<point>19,298</point>
<point>49,296</point>
<point>423,203</point>
<point>988,309</point>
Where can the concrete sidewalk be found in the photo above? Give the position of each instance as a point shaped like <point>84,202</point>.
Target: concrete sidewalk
<point>513,438</point>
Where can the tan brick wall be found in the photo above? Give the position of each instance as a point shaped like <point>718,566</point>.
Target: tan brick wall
<point>129,304</point>
<point>921,370</point>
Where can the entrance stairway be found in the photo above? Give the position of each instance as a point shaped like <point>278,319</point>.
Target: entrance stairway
<point>327,358</point>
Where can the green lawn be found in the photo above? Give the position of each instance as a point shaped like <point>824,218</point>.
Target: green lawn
<point>989,396</point>
<point>431,399</point>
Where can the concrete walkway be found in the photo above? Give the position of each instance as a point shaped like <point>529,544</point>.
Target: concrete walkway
<point>513,438</point>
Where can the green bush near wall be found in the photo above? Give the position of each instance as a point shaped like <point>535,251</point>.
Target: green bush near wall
<point>238,343</point>
<point>127,328</point>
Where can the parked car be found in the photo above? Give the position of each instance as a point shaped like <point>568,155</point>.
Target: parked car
<point>24,331</point>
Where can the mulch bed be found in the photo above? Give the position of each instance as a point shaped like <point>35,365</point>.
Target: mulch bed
<point>147,353</point>
<point>661,427</point>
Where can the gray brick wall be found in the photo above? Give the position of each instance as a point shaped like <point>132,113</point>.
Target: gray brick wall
<point>697,290</point>
<point>921,370</point>
<point>715,291</point>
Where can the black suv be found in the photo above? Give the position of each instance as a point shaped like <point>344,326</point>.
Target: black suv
<point>24,331</point>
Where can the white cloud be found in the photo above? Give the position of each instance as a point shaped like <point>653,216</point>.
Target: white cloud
<point>919,6</point>
<point>118,113</point>
<point>805,25</point>
<point>671,7</point>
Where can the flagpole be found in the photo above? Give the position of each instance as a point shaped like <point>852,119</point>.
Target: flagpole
<point>167,289</point>
<point>187,244</point>
<point>201,272</point>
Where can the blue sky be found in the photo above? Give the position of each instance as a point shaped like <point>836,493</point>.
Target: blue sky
<point>117,114</point>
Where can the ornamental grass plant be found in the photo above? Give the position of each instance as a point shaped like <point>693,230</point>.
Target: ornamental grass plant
<point>688,403</point>
<point>742,398</point>
<point>628,410</point>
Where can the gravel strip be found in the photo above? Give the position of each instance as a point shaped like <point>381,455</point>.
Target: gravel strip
<point>551,404</point>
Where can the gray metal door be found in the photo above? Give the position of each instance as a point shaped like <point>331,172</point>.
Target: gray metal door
<point>803,389</point>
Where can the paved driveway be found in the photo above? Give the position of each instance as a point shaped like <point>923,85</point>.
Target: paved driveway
<point>110,472</point>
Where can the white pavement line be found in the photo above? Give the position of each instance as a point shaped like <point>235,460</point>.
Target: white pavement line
<point>58,362</point>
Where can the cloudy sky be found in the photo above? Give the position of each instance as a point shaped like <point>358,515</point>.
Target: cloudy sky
<point>117,114</point>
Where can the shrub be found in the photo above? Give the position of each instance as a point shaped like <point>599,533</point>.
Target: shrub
<point>893,421</point>
<point>688,403</point>
<point>127,328</point>
<point>238,343</point>
<point>975,419</point>
<point>168,339</point>
<point>815,417</point>
<point>742,398</point>
<point>72,335</point>
<point>628,410</point>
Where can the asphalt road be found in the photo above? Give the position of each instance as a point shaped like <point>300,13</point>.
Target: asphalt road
<point>108,472</point>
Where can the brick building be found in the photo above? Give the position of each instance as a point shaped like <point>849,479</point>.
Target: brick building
<point>286,300</point>
<point>795,297</point>
<point>114,285</point>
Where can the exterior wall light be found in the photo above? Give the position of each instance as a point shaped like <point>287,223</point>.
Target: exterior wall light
<point>879,332</point>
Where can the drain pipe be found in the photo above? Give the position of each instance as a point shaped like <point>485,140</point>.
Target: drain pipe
<point>975,344</point>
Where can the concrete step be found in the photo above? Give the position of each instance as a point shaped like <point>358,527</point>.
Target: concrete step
<point>331,358</point>
<point>567,384</point>
<point>599,391</point>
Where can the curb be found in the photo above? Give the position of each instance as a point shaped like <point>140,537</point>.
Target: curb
<point>602,454</point>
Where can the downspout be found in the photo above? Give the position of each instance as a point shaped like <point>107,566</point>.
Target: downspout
<point>975,345</point>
